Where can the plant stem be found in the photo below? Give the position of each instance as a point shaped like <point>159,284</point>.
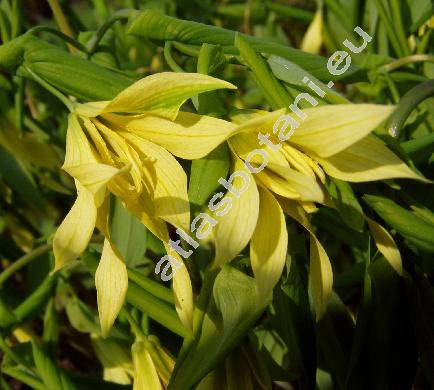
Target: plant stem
<point>96,39</point>
<point>407,104</point>
<point>66,38</point>
<point>22,261</point>
<point>50,88</point>
<point>169,59</point>
<point>16,18</point>
<point>408,60</point>
<point>61,20</point>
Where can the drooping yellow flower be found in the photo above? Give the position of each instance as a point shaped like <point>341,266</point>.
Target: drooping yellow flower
<point>103,156</point>
<point>332,140</point>
<point>290,172</point>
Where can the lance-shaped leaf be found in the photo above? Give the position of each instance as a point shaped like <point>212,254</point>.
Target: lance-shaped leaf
<point>51,375</point>
<point>205,172</point>
<point>111,280</point>
<point>269,244</point>
<point>230,313</point>
<point>416,230</point>
<point>346,203</point>
<point>154,24</point>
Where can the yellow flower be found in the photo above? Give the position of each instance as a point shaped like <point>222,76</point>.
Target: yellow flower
<point>103,156</point>
<point>289,165</point>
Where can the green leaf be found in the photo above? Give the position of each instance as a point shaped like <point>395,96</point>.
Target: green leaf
<point>19,180</point>
<point>416,230</point>
<point>420,12</point>
<point>7,316</point>
<point>51,375</point>
<point>210,58</point>
<point>153,24</point>
<point>276,95</point>
<point>421,302</point>
<point>335,334</point>
<point>50,335</point>
<point>205,173</point>
<point>128,234</point>
<point>81,317</point>
<point>230,313</point>
<point>292,319</point>
<point>346,203</point>
<point>293,74</point>
<point>37,300</point>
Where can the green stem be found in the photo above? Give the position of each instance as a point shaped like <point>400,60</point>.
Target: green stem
<point>417,144</point>
<point>134,325</point>
<point>16,18</point>
<point>407,60</point>
<point>51,89</point>
<point>22,261</point>
<point>393,90</point>
<point>59,34</point>
<point>61,20</point>
<point>96,39</point>
<point>407,104</point>
<point>169,59</point>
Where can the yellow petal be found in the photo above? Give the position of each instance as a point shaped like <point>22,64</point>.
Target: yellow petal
<point>145,373</point>
<point>312,39</point>
<point>170,191</point>
<point>127,155</point>
<point>320,270</point>
<point>74,233</point>
<point>78,148</point>
<point>306,186</point>
<point>386,245</point>
<point>269,244</point>
<point>234,230</point>
<point>182,291</point>
<point>94,177</point>
<point>244,143</point>
<point>91,109</point>
<point>298,160</point>
<point>190,136</point>
<point>162,94</point>
<point>366,160</point>
<point>111,281</point>
<point>330,129</point>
